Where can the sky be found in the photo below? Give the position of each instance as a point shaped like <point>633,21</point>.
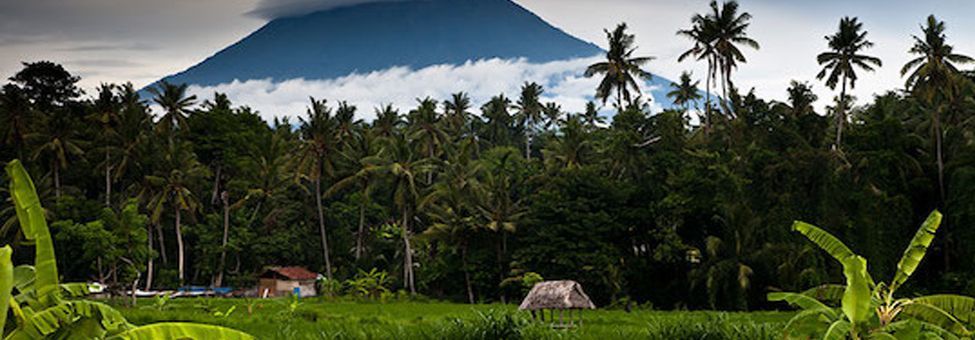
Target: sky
<point>143,40</point>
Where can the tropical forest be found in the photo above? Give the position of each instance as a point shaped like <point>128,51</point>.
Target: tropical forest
<point>725,216</point>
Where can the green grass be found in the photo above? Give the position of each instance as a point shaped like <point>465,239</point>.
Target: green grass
<point>316,318</point>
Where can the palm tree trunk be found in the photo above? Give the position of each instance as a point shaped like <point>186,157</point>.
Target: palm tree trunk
<point>57,181</point>
<point>707,98</point>
<point>500,262</point>
<point>254,213</point>
<point>321,227</point>
<point>108,180</point>
<point>467,273</point>
<point>180,255</point>
<point>362,227</point>
<point>840,115</point>
<point>941,182</point>
<point>940,154</point>
<point>218,280</point>
<point>408,273</point>
<point>162,244</point>
<point>430,173</point>
<point>528,142</point>
<point>216,186</point>
<point>149,262</point>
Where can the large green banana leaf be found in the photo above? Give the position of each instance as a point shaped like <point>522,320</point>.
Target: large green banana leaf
<point>30,215</point>
<point>71,319</point>
<point>827,293</point>
<point>824,240</point>
<point>802,301</point>
<point>960,307</point>
<point>857,304</point>
<point>916,250</point>
<point>837,331</point>
<point>932,314</point>
<point>180,330</point>
<point>6,282</point>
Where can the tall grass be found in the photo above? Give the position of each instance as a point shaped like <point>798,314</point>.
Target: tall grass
<point>716,326</point>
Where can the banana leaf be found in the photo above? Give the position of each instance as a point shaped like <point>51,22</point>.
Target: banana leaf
<point>829,243</point>
<point>6,282</point>
<point>180,330</point>
<point>802,301</point>
<point>936,316</point>
<point>72,319</point>
<point>857,298</point>
<point>960,307</point>
<point>30,215</point>
<point>827,293</point>
<point>916,250</point>
<point>837,331</point>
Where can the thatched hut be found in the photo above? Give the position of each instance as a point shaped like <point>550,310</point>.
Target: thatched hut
<point>557,295</point>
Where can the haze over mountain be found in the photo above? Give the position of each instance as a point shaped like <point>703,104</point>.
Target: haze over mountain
<point>383,52</point>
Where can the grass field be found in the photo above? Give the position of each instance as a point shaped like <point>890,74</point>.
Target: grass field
<point>316,318</point>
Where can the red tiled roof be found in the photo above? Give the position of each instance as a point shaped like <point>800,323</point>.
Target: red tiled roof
<point>294,273</point>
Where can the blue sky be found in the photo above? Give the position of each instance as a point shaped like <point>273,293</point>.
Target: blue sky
<point>143,40</point>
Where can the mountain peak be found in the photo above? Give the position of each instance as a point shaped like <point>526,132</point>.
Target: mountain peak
<point>375,36</point>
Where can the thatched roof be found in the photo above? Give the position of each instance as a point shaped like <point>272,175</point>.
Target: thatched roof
<point>565,294</point>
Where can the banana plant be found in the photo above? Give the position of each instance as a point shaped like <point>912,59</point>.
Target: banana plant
<point>863,308</point>
<point>43,308</point>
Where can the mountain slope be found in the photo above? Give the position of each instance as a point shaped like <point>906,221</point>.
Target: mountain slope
<point>377,36</point>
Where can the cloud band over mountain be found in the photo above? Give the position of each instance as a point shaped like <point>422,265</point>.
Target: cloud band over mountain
<point>401,86</point>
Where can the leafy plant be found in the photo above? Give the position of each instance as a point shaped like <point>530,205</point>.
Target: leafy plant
<point>870,309</point>
<point>371,284</point>
<point>42,307</point>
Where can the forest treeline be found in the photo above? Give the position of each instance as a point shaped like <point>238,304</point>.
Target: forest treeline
<point>461,200</point>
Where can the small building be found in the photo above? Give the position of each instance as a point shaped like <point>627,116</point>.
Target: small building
<point>286,281</point>
<point>564,295</point>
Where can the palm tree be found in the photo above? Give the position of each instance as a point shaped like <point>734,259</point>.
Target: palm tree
<point>171,187</point>
<point>529,112</point>
<point>572,148</point>
<point>451,205</point>
<point>106,111</point>
<point>456,113</point>
<point>497,201</point>
<point>702,33</point>
<point>345,118</point>
<point>621,69</point>
<point>801,98</point>
<point>840,64</point>
<point>15,117</point>
<point>175,104</point>
<point>424,128</point>
<point>399,161</point>
<point>933,73</point>
<point>58,140</point>
<point>388,121</point>
<point>361,178</point>
<point>590,116</point>
<point>728,32</point>
<point>553,113</point>
<point>319,145</point>
<point>685,92</point>
<point>499,122</point>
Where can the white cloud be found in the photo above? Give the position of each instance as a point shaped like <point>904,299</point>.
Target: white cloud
<point>401,86</point>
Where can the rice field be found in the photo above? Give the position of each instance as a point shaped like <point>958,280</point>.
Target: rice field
<point>318,318</point>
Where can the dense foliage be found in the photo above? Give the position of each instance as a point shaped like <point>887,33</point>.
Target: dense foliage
<point>453,200</point>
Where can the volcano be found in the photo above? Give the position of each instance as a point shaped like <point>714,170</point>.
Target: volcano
<point>377,36</point>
